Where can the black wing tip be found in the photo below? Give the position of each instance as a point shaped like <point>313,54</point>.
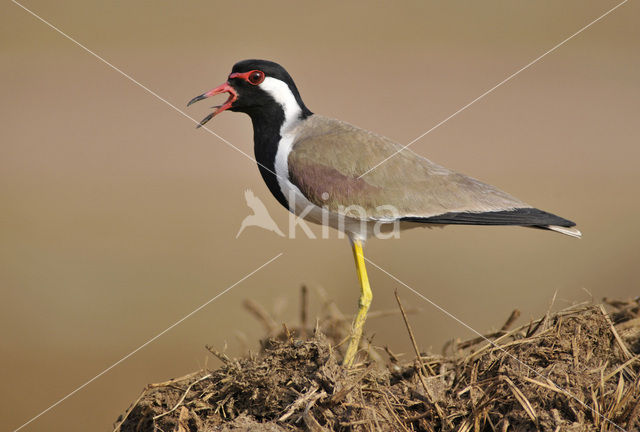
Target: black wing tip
<point>521,216</point>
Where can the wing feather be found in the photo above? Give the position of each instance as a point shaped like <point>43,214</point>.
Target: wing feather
<point>328,157</point>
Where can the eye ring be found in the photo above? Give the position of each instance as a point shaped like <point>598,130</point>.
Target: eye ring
<point>255,77</point>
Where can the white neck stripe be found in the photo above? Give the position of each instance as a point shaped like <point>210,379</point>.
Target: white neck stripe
<point>282,94</point>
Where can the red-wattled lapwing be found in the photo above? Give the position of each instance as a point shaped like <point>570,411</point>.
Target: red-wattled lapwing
<point>319,168</point>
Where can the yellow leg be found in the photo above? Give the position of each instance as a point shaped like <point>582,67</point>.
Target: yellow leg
<point>365,301</point>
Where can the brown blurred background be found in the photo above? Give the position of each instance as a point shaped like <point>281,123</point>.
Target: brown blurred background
<point>119,217</point>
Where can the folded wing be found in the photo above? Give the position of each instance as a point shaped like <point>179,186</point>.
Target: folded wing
<point>329,156</point>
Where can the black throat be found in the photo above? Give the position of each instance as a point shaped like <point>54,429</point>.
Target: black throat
<point>267,122</point>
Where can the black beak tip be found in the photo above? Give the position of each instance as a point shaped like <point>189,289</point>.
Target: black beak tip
<point>204,120</point>
<point>196,99</point>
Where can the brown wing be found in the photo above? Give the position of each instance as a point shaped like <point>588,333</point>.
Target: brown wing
<point>328,157</point>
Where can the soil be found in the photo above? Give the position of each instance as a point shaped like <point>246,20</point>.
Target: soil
<point>574,370</point>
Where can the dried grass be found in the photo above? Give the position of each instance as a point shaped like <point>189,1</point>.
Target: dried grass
<point>575,370</point>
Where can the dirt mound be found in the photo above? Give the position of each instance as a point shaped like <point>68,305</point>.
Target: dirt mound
<point>576,370</point>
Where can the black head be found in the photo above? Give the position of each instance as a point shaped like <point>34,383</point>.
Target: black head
<point>259,88</point>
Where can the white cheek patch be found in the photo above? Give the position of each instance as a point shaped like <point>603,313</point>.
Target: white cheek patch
<point>281,93</point>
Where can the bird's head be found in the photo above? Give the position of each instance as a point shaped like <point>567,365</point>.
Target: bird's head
<point>258,88</point>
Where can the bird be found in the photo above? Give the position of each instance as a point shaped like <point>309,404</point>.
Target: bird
<point>260,217</point>
<point>331,172</point>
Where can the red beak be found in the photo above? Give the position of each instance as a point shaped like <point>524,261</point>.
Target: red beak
<point>224,88</point>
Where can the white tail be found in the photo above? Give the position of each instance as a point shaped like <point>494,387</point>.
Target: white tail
<point>573,232</point>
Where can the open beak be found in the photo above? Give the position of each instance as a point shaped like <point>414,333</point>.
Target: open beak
<point>224,88</point>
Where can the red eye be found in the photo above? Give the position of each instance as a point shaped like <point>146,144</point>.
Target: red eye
<point>255,77</point>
